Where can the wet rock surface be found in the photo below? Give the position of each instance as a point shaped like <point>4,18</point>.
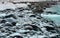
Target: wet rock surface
<point>23,23</point>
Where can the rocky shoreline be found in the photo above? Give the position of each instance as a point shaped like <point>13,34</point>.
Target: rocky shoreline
<point>20,21</point>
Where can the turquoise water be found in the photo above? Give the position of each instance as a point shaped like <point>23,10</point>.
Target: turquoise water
<point>54,8</point>
<point>54,17</point>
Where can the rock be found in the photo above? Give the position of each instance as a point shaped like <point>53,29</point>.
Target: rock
<point>3,11</point>
<point>21,16</point>
<point>12,21</point>
<point>54,35</point>
<point>39,17</point>
<point>19,9</point>
<point>1,27</point>
<point>34,27</point>
<point>7,29</point>
<point>2,15</point>
<point>16,35</point>
<point>10,15</point>
<point>2,35</point>
<point>49,28</point>
<point>20,20</point>
<point>32,15</point>
<point>9,9</point>
<point>38,11</point>
<point>3,21</point>
<point>28,28</point>
<point>2,31</point>
<point>44,8</point>
<point>49,12</point>
<point>8,24</point>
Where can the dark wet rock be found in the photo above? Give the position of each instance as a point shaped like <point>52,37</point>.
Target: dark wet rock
<point>17,36</point>
<point>28,28</point>
<point>54,12</point>
<point>2,2</point>
<point>26,32</point>
<point>44,8</point>
<point>36,28</point>
<point>20,15</point>
<point>55,36</point>
<point>26,24</point>
<point>20,9</point>
<point>51,23</point>
<point>49,12</point>
<point>44,20</point>
<point>2,31</point>
<point>1,27</point>
<point>3,11</point>
<point>38,11</point>
<point>39,17</point>
<point>9,9</point>
<point>45,37</point>
<point>13,31</point>
<point>12,21</point>
<point>32,15</point>
<point>3,21</point>
<point>49,28</point>
<point>8,24</point>
<point>53,31</point>
<point>7,29</point>
<point>10,15</point>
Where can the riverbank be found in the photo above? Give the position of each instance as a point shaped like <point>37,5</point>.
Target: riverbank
<point>20,21</point>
